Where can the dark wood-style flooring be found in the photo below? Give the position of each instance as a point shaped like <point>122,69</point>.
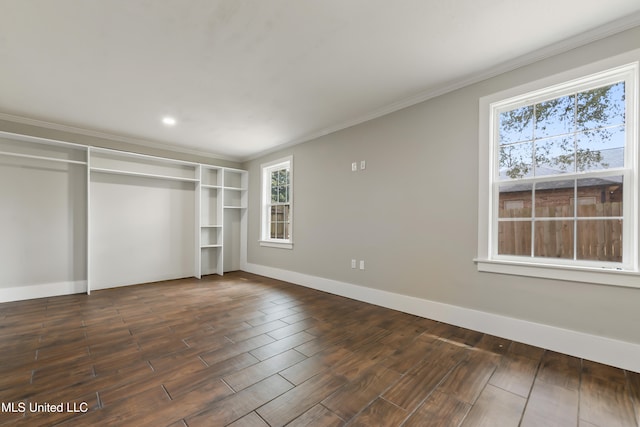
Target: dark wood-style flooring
<point>244,350</point>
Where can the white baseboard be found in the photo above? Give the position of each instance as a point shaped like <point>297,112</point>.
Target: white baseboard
<point>45,290</point>
<point>600,349</point>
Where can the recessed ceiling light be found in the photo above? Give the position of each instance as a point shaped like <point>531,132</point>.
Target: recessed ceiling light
<point>169,121</point>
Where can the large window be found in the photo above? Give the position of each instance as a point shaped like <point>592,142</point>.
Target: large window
<point>277,203</point>
<point>561,165</point>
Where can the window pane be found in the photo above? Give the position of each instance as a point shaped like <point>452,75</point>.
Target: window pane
<point>280,222</point>
<point>554,199</point>
<point>601,149</point>
<point>284,194</point>
<point>279,230</point>
<point>555,156</point>
<point>555,117</point>
<point>514,238</point>
<point>274,187</point>
<point>600,107</point>
<point>276,213</point>
<point>554,239</point>
<point>516,161</point>
<point>516,125</point>
<point>600,240</point>
<point>600,197</point>
<point>515,200</point>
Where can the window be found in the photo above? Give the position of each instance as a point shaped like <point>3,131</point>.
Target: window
<point>277,203</point>
<point>559,177</point>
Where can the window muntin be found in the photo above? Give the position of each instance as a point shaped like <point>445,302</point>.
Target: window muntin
<point>579,132</point>
<point>554,151</point>
<point>277,195</point>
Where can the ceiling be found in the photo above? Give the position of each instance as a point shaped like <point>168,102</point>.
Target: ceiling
<point>242,77</point>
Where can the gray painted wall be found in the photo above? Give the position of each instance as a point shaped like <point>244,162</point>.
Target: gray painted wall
<point>412,213</point>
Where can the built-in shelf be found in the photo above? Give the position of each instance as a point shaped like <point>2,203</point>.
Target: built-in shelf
<point>50,159</point>
<point>142,174</point>
<point>221,196</point>
<point>133,164</point>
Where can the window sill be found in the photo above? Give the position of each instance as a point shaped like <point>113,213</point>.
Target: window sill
<point>602,276</point>
<point>276,244</point>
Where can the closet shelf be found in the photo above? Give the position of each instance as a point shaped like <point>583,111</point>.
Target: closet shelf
<point>142,174</point>
<point>51,159</point>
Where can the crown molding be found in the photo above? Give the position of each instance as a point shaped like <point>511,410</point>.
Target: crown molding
<point>113,137</point>
<point>582,39</point>
<point>566,45</point>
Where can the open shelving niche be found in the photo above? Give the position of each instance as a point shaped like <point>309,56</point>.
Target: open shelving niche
<point>43,193</point>
<point>220,195</point>
<point>221,218</point>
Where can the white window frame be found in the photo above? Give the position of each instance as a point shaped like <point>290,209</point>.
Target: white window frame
<point>620,274</point>
<point>265,197</point>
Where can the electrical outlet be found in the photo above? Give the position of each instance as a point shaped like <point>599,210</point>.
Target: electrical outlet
<point>362,265</point>
<point>354,166</point>
<point>353,263</point>
<point>363,165</point>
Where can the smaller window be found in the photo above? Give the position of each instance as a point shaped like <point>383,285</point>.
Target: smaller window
<point>277,204</point>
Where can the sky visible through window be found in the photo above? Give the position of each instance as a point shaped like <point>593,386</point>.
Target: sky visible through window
<point>579,132</point>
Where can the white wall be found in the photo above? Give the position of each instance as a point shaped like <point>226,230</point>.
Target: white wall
<point>42,220</point>
<point>412,215</point>
<point>142,230</point>
<point>42,226</point>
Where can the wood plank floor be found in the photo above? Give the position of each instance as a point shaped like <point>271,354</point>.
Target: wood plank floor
<point>244,350</point>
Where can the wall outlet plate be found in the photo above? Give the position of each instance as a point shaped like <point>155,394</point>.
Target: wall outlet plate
<point>354,166</point>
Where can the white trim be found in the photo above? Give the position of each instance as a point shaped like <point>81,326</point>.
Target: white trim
<point>19,293</point>
<point>602,276</point>
<point>276,244</point>
<point>622,354</point>
<point>286,162</point>
<point>113,137</point>
<point>88,219</point>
